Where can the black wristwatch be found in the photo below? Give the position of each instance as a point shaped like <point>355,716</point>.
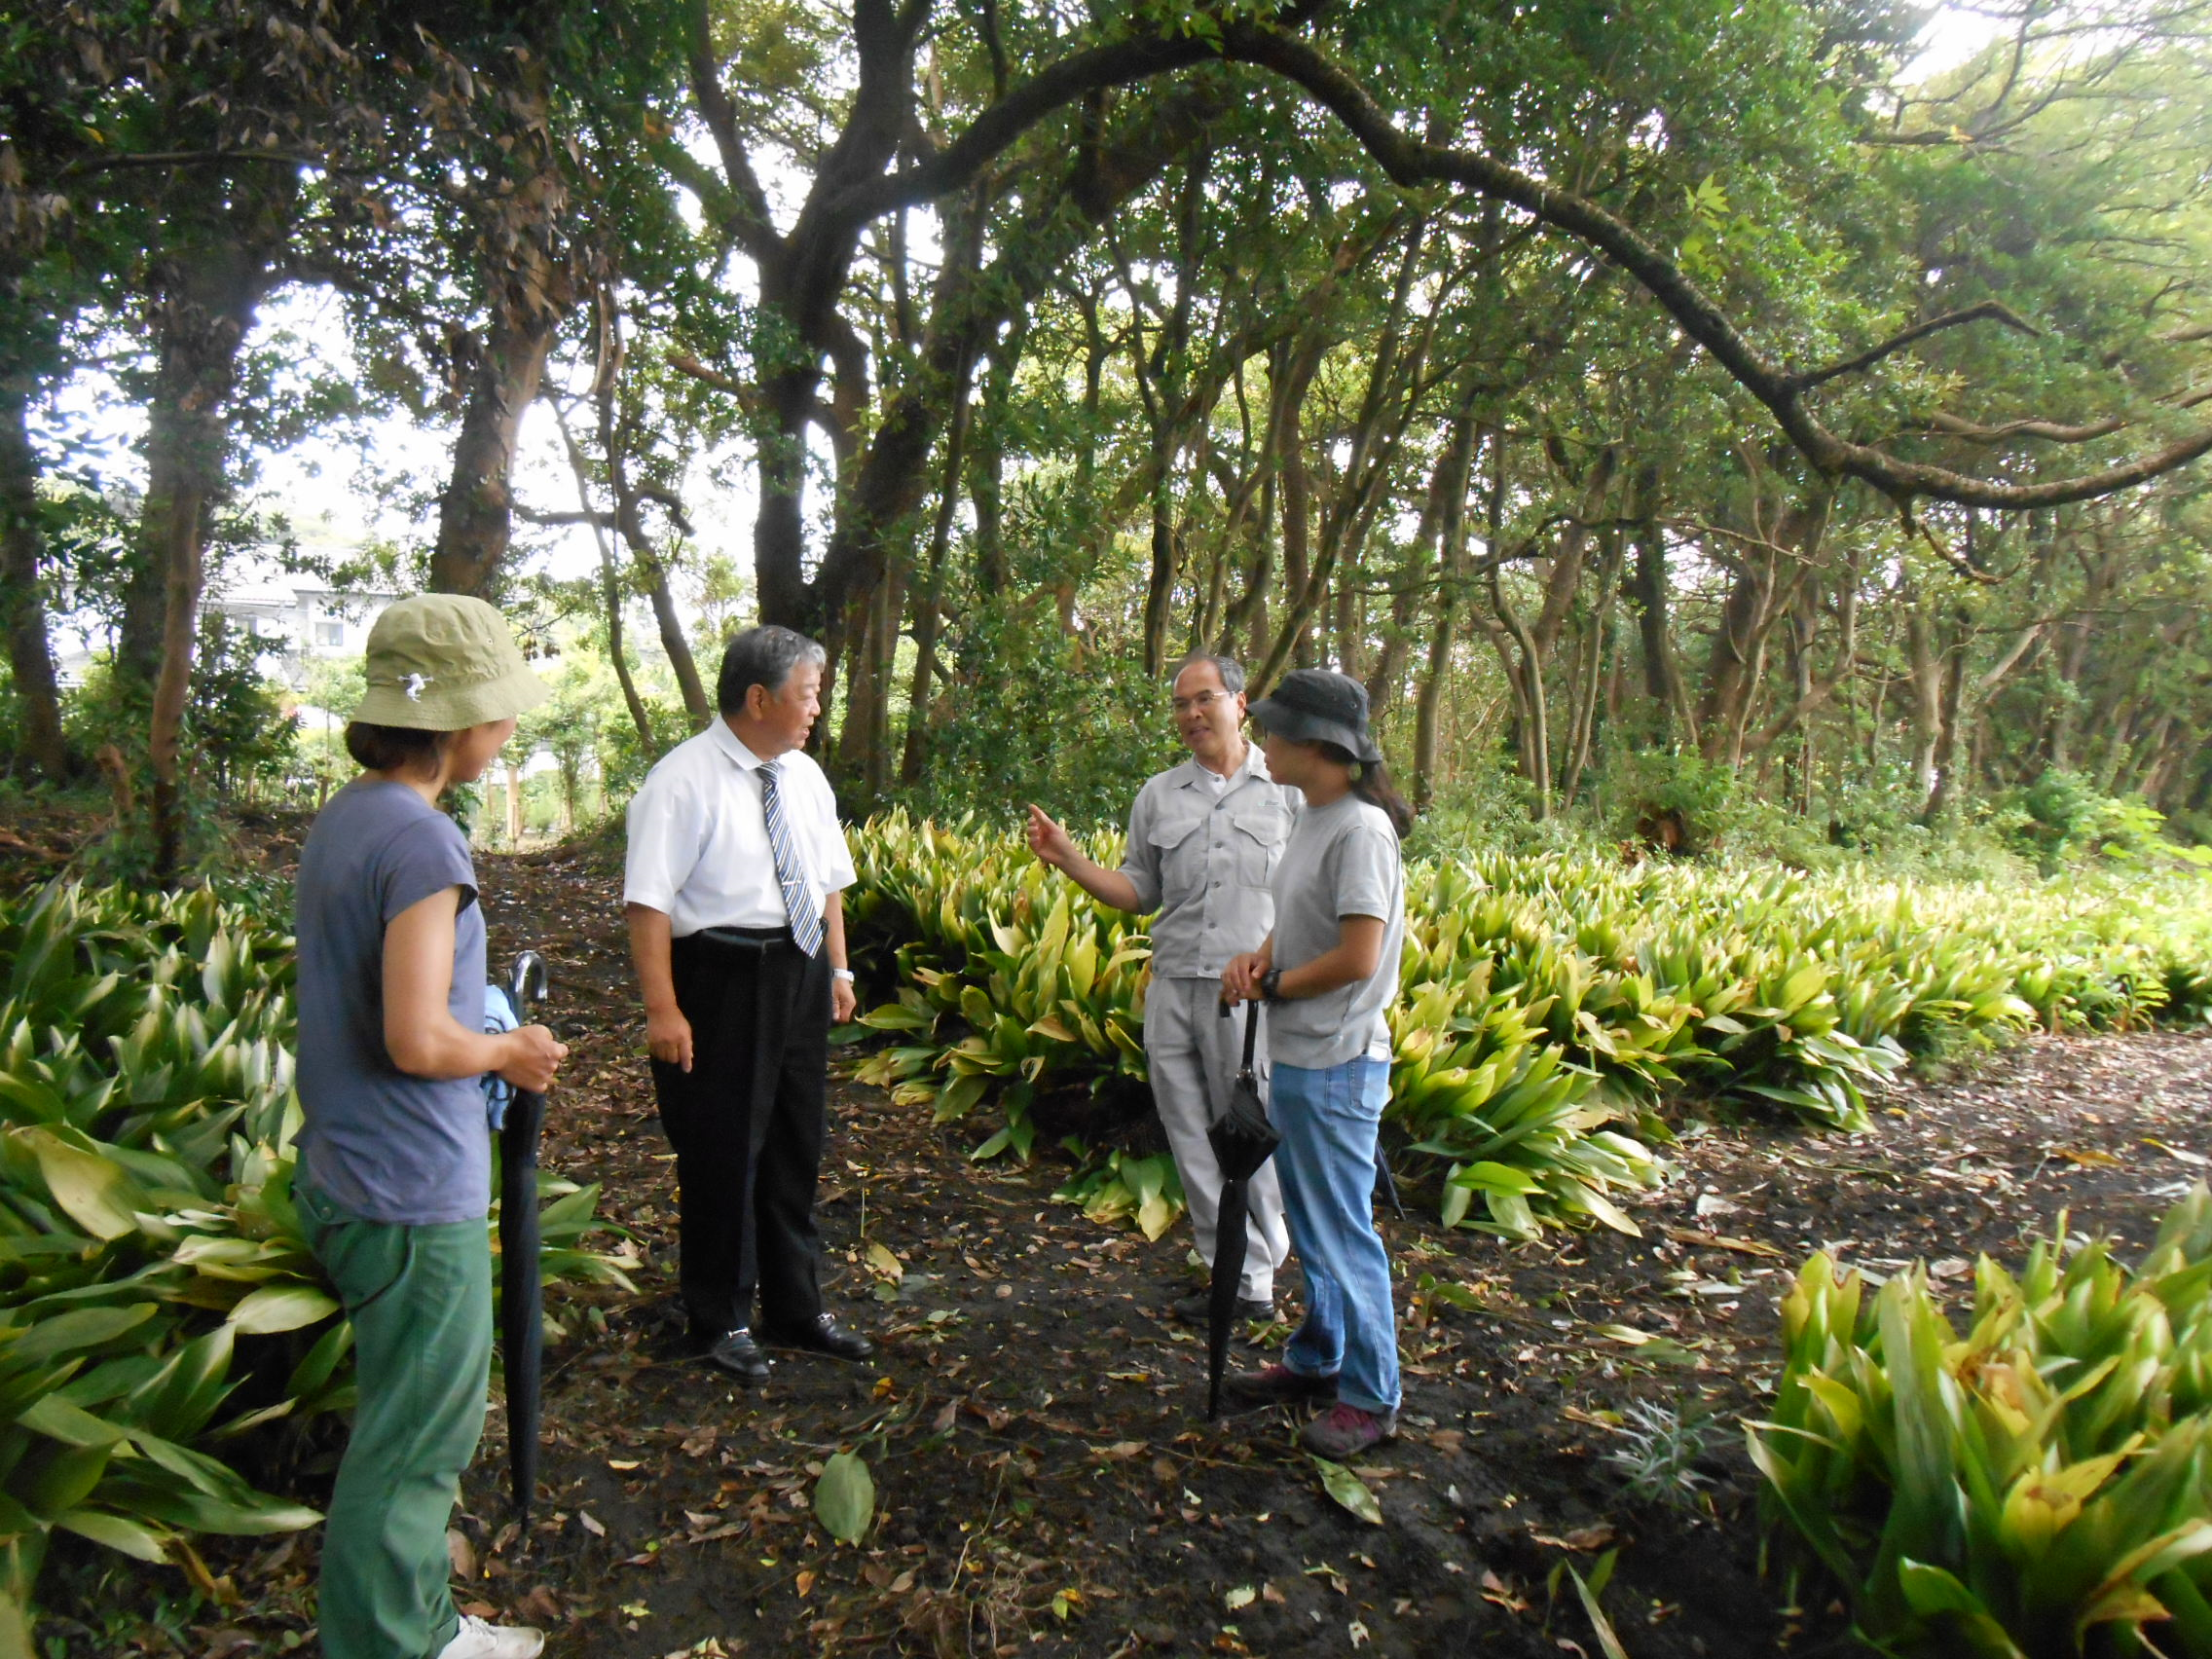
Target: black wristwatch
<point>1271,985</point>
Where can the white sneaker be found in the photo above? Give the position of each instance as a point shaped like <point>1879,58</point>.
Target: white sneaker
<point>477,1640</point>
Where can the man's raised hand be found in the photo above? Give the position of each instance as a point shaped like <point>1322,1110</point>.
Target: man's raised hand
<point>1048,840</point>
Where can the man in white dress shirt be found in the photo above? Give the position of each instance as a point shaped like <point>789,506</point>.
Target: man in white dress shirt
<point>1204,838</point>
<point>734,893</point>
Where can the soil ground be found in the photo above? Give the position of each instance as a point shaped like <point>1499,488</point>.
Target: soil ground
<point>1046,1482</point>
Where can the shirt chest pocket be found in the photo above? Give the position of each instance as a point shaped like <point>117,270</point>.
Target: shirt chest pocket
<point>1179,853</point>
<point>1256,841</point>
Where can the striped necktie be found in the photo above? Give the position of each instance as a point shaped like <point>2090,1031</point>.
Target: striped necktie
<point>791,875</point>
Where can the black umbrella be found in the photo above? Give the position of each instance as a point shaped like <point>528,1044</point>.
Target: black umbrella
<point>1242,1139</point>
<point>522,1293</point>
<point>1386,1183</point>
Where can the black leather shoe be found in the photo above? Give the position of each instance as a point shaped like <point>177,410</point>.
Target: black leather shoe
<point>739,1355</point>
<point>823,1335</point>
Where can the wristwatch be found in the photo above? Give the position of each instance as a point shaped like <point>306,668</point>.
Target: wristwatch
<point>1271,985</point>
<point>844,974</point>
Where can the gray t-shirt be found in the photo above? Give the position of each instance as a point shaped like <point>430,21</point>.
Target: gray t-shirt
<point>1342,861</point>
<point>379,1144</point>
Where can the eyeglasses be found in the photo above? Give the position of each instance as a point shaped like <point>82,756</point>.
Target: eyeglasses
<point>1203,700</point>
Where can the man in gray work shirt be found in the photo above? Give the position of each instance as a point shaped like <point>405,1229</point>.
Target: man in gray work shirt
<point>1204,838</point>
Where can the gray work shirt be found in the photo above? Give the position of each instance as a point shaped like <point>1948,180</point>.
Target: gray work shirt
<point>1343,861</point>
<point>1202,859</point>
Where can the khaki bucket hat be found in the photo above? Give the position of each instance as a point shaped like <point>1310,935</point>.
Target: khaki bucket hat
<point>445,662</point>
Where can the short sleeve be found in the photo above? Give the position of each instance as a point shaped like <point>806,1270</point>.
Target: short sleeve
<point>663,842</point>
<point>427,855</point>
<point>837,855</point>
<point>1140,862</point>
<point>1367,872</point>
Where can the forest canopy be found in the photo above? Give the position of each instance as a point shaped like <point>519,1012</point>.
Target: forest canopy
<point>1806,402</point>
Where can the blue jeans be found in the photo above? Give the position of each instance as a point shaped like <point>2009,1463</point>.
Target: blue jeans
<point>1328,1120</point>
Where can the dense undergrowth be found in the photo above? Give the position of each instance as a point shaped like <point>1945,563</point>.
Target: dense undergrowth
<point>161,1315</point>
<point>1550,1005</point>
<point>163,1325</point>
<point>2041,1487</point>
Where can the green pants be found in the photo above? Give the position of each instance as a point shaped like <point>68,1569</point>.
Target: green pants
<point>421,1302</point>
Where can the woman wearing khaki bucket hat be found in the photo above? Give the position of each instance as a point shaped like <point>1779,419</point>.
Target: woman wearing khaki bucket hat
<point>394,1174</point>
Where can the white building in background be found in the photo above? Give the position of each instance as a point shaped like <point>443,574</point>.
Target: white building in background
<point>298,622</point>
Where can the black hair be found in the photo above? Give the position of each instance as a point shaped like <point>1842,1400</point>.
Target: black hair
<point>762,657</point>
<point>392,749</point>
<point>1371,782</point>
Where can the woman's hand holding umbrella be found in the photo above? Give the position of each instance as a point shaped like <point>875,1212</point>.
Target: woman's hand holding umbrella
<point>535,1056</point>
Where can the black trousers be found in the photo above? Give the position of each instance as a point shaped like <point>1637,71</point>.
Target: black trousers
<point>747,1123</point>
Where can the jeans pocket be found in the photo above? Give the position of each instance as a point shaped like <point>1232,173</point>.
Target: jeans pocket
<point>1350,1094</point>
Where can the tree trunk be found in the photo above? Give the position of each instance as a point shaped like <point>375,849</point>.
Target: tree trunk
<point>1450,564</point>
<point>696,703</point>
<point>891,606</point>
<point>1291,367</point>
<point>475,514</point>
<point>929,598</point>
<point>207,303</point>
<point>987,449</point>
<point>1758,598</point>
<point>1582,736</point>
<point>1654,595</point>
<point>611,591</point>
<point>629,517</point>
<point>30,658</point>
<point>1926,663</point>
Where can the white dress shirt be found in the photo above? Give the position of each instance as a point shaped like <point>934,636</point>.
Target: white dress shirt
<point>698,834</point>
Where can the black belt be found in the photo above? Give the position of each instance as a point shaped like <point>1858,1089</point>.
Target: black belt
<point>745,938</point>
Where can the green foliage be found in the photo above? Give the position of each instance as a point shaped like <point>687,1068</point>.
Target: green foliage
<point>1011,978</point>
<point>845,1498</point>
<point>1147,1192</point>
<point>2041,1487</point>
<point>1549,1003</point>
<point>152,1263</point>
<point>2065,820</point>
<point>1033,985</point>
<point>1659,1453</point>
<point>1040,716</point>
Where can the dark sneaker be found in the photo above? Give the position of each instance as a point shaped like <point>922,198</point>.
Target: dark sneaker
<point>1198,1308</point>
<point>824,1336</point>
<point>1345,1431</point>
<point>737,1354</point>
<point>1276,1385</point>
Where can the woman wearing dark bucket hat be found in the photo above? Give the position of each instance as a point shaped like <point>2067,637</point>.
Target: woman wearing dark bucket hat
<point>395,1173</point>
<point>1331,969</point>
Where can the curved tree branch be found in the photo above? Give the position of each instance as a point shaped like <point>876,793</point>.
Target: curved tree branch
<point>1991,311</point>
<point>1411,162</point>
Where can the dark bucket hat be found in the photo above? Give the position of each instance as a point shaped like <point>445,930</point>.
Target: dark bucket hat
<point>1313,705</point>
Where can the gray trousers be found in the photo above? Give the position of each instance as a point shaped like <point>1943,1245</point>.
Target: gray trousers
<point>1194,1054</point>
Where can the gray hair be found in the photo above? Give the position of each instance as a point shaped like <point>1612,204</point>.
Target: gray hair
<point>762,656</point>
<point>1231,671</point>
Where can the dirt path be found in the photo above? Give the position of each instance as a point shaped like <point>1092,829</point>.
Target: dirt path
<point>1035,1426</point>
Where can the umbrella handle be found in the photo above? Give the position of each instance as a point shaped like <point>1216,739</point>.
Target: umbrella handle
<point>1251,1025</point>
<point>527,984</point>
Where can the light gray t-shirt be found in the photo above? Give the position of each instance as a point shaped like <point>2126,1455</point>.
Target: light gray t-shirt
<point>1342,861</point>
<point>381,1145</point>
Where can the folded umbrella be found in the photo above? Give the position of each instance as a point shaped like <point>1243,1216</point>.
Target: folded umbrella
<point>522,1292</point>
<point>1242,1140</point>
